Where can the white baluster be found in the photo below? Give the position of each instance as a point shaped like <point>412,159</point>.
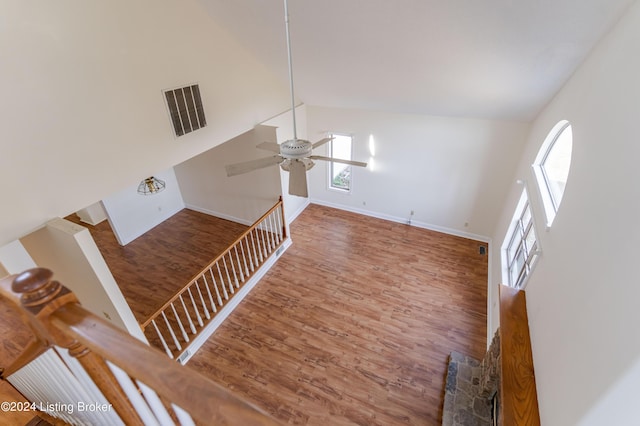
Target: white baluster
<point>206,285</point>
<point>235,249</point>
<point>226,270</point>
<point>193,302</point>
<point>173,335</point>
<point>267,231</point>
<point>248,244</point>
<point>224,287</point>
<point>274,227</point>
<point>191,325</point>
<point>254,240</point>
<point>215,287</point>
<point>184,418</point>
<point>164,344</point>
<point>233,269</point>
<point>265,248</point>
<point>184,333</point>
<point>272,231</point>
<point>204,305</point>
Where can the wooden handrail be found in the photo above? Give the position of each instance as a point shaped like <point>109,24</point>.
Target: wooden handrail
<point>180,291</point>
<point>37,345</point>
<point>56,318</point>
<point>519,401</point>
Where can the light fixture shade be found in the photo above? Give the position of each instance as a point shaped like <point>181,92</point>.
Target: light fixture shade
<point>151,185</point>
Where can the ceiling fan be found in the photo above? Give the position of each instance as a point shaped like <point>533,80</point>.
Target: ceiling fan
<point>294,155</point>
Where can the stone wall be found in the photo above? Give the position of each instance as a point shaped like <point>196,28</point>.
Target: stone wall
<point>490,376</point>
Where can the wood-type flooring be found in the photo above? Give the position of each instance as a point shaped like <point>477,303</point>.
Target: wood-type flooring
<point>354,323</point>
<point>151,268</point>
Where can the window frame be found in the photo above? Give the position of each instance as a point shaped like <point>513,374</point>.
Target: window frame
<point>550,203</point>
<point>517,235</point>
<point>331,164</point>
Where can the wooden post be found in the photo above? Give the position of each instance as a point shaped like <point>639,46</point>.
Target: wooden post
<point>40,296</point>
<point>284,222</point>
<point>519,400</point>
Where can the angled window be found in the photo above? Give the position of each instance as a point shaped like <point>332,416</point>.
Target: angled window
<point>340,174</point>
<point>552,167</point>
<point>520,248</point>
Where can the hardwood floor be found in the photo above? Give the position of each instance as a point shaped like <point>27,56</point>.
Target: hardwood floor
<point>151,268</point>
<point>354,323</point>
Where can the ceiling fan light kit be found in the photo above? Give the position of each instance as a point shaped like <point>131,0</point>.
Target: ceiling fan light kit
<point>294,155</point>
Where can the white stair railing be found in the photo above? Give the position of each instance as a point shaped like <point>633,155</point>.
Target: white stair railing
<point>191,310</point>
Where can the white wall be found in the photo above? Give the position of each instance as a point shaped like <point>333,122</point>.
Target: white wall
<point>83,114</point>
<point>93,214</point>
<point>244,198</point>
<point>15,259</point>
<point>449,171</point>
<point>131,214</point>
<point>582,297</point>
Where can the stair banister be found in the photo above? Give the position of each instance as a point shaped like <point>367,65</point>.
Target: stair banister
<point>56,318</point>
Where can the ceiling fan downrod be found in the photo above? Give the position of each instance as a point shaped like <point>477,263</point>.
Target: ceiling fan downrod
<point>293,103</point>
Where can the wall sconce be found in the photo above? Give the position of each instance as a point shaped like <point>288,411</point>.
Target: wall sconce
<point>151,185</point>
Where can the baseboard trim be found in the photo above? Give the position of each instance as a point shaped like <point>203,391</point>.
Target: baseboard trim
<point>233,303</point>
<point>295,214</point>
<point>396,219</point>
<point>218,214</point>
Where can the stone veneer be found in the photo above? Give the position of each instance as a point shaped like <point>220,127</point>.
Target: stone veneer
<point>470,386</point>
<point>490,379</point>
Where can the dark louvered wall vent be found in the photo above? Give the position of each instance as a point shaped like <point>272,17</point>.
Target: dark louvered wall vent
<point>185,109</point>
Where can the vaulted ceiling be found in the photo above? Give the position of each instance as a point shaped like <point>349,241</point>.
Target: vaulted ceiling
<point>497,59</point>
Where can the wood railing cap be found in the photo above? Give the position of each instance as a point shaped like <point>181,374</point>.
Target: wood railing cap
<point>36,286</point>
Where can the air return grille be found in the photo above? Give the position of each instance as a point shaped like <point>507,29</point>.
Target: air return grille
<point>185,109</point>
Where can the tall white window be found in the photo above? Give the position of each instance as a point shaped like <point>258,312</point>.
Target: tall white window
<point>340,174</point>
<point>520,247</point>
<point>552,167</point>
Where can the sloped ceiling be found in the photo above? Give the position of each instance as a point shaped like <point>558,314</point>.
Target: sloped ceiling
<point>496,59</point>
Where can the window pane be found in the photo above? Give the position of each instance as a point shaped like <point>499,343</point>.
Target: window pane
<point>552,167</point>
<point>530,240</point>
<point>556,165</point>
<point>340,148</point>
<point>517,267</point>
<point>520,245</point>
<point>513,245</point>
<point>526,216</point>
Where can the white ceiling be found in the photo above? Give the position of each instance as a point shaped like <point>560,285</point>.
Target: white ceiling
<point>499,59</point>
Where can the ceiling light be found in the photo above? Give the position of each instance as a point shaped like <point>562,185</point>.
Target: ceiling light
<point>151,185</point>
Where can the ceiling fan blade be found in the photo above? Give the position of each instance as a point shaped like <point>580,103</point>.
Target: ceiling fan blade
<point>247,166</point>
<point>269,146</point>
<point>321,142</point>
<point>298,179</point>
<point>337,160</point>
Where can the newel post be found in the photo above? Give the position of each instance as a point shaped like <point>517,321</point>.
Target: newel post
<point>40,297</point>
<point>284,221</point>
